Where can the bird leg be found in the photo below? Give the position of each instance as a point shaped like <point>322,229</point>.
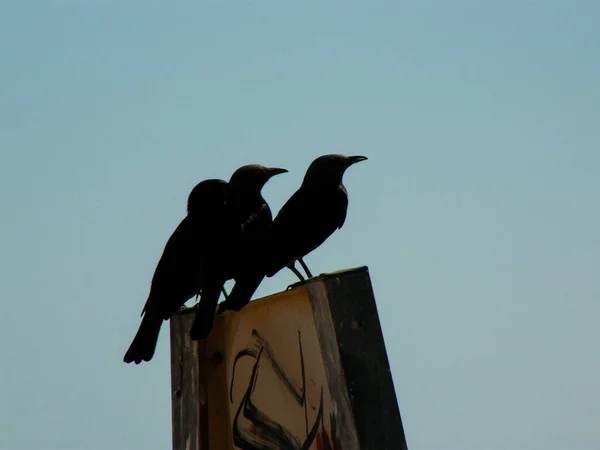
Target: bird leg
<point>198,295</point>
<point>292,267</point>
<point>183,307</point>
<point>305,267</point>
<point>302,281</point>
<point>195,305</point>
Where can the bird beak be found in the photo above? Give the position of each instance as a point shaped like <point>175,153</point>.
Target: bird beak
<point>355,159</point>
<point>276,171</point>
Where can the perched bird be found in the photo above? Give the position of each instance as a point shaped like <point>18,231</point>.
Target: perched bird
<point>311,214</point>
<point>306,220</point>
<point>247,217</point>
<point>179,275</point>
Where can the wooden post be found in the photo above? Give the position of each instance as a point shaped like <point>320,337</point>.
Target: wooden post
<point>302,369</point>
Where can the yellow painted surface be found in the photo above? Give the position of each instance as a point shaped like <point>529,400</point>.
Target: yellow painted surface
<point>267,380</point>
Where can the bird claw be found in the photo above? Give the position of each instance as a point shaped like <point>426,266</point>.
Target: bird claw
<point>296,284</point>
<point>225,306</point>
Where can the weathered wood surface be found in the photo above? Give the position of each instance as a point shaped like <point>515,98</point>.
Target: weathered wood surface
<point>349,298</point>
<point>302,369</point>
<point>333,365</point>
<point>187,387</point>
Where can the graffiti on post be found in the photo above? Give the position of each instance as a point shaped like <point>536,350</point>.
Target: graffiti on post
<point>255,428</point>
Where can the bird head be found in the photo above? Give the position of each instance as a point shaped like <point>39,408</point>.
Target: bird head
<point>207,194</point>
<point>250,179</point>
<point>330,167</point>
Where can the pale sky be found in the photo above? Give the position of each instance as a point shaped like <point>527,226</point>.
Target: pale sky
<point>477,211</point>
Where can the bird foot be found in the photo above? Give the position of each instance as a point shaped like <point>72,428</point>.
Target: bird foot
<point>228,306</point>
<point>222,307</point>
<point>296,284</point>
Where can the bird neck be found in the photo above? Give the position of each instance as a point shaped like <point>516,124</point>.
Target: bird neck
<point>328,183</point>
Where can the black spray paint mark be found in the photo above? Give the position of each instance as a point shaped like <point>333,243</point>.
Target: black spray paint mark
<point>265,433</point>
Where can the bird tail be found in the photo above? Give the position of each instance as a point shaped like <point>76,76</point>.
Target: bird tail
<point>205,314</point>
<point>241,294</point>
<point>144,343</point>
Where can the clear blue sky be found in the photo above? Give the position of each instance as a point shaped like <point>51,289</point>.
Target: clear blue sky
<point>477,211</point>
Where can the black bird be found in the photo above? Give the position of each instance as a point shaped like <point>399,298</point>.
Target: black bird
<point>311,215</point>
<point>306,220</point>
<point>247,218</point>
<point>178,275</point>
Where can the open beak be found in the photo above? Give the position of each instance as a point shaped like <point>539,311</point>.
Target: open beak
<point>355,159</point>
<point>276,171</point>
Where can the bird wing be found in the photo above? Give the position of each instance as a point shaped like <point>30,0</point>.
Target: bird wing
<point>307,219</point>
<point>341,205</point>
<point>257,222</point>
<point>279,249</point>
<point>177,276</point>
